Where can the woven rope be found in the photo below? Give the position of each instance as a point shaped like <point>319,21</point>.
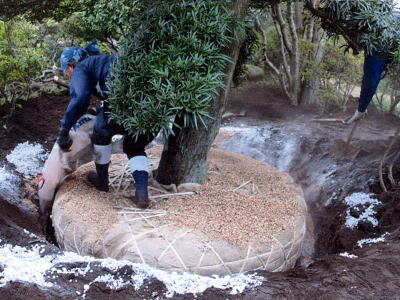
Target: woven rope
<point>134,218</point>
<point>209,248</point>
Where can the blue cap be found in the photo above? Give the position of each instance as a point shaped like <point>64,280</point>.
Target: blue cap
<point>78,54</point>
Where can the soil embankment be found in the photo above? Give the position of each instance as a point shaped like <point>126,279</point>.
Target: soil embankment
<point>287,138</point>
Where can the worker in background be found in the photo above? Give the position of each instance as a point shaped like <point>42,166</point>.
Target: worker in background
<point>89,75</point>
<point>374,67</point>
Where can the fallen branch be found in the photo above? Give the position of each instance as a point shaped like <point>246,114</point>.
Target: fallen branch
<point>60,82</point>
<point>390,176</point>
<point>173,194</point>
<point>158,190</point>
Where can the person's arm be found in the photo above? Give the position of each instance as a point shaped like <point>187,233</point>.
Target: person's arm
<point>80,90</point>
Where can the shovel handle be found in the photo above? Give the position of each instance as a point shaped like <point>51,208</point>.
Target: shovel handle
<point>350,136</point>
<point>329,120</point>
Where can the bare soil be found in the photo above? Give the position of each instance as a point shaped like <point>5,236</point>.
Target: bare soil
<point>38,121</point>
<point>375,274</point>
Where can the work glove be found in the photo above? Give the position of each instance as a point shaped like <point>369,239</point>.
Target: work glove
<point>356,117</point>
<point>64,141</point>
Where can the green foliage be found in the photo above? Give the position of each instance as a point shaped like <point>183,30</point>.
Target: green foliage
<point>339,73</point>
<point>21,60</point>
<point>387,97</point>
<point>37,10</point>
<point>170,63</point>
<point>108,18</point>
<point>394,71</point>
<point>368,25</point>
<point>26,50</point>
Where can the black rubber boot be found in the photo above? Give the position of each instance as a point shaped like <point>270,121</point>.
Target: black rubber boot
<point>99,178</point>
<point>141,198</point>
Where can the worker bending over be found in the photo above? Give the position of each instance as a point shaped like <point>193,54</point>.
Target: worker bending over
<point>89,75</point>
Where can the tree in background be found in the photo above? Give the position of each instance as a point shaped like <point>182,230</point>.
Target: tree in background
<point>300,39</point>
<point>105,20</point>
<point>340,73</point>
<point>37,10</point>
<point>20,62</point>
<point>297,59</point>
<point>388,96</point>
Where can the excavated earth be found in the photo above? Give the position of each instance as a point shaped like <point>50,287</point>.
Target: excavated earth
<point>284,137</point>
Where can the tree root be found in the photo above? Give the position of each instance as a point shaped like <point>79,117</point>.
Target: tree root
<point>389,147</point>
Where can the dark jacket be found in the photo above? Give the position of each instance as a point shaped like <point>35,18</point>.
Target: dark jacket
<point>89,78</point>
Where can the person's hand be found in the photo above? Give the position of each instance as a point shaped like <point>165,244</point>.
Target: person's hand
<point>356,117</point>
<point>64,140</point>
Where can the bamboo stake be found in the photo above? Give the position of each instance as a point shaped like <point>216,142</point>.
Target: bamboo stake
<point>240,186</point>
<point>173,194</point>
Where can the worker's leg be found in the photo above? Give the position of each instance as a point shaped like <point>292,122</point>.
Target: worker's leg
<point>135,150</point>
<point>373,69</point>
<point>102,135</point>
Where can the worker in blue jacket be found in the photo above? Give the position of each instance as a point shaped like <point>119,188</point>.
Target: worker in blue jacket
<point>89,71</point>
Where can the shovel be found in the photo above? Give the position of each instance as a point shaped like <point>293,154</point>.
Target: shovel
<point>329,120</point>
<point>343,148</point>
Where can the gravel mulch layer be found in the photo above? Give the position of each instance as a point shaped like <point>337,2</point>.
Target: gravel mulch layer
<point>244,201</point>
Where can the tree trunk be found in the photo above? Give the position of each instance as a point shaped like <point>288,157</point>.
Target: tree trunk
<point>311,86</point>
<point>184,157</point>
<point>393,104</point>
<point>296,31</point>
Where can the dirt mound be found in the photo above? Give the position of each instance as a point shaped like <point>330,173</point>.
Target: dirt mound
<point>248,216</point>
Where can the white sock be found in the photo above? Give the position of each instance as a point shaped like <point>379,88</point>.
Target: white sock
<point>139,163</point>
<point>102,154</point>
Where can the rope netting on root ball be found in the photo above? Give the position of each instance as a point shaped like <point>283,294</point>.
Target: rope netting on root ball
<point>248,216</point>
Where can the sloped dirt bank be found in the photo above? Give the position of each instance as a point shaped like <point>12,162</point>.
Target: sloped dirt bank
<point>288,139</point>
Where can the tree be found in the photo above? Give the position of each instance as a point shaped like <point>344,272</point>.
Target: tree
<point>184,158</point>
<point>388,96</point>
<point>172,65</point>
<point>300,40</point>
<point>37,10</point>
<point>366,25</point>
<point>339,74</point>
<point>20,62</point>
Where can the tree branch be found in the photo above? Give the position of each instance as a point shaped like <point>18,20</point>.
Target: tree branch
<point>284,58</point>
<point>317,13</point>
<point>277,15</point>
<point>292,25</point>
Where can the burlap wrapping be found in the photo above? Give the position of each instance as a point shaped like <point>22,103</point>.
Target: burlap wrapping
<point>144,236</point>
